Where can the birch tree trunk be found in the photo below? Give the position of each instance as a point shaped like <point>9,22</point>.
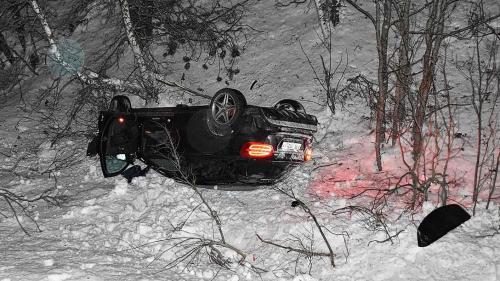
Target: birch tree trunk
<point>91,77</point>
<point>148,77</point>
<point>132,39</point>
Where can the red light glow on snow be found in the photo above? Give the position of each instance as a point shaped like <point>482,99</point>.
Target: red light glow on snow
<point>355,176</point>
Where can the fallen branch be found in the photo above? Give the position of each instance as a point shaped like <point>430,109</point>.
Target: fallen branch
<point>387,239</point>
<point>24,204</point>
<point>306,209</point>
<point>326,165</point>
<point>291,249</point>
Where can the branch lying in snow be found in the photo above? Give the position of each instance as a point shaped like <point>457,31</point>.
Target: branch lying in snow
<point>91,77</point>
<point>374,219</point>
<point>13,200</point>
<point>305,208</point>
<point>188,248</point>
<point>326,165</point>
<point>387,239</point>
<point>291,249</point>
<point>494,233</point>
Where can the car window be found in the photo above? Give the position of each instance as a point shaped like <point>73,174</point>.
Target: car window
<point>115,163</point>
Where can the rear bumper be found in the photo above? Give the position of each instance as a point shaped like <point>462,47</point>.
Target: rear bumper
<point>291,120</point>
<point>293,125</point>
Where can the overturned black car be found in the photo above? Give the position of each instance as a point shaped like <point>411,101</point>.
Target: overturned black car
<point>226,142</point>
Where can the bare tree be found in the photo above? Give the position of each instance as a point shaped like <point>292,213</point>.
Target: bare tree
<point>327,12</point>
<point>403,67</point>
<point>482,74</point>
<point>382,21</point>
<point>433,35</point>
<point>17,38</point>
<point>335,95</point>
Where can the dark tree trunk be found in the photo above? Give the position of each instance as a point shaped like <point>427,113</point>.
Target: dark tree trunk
<point>403,72</point>
<point>5,49</point>
<point>382,30</point>
<point>433,38</point>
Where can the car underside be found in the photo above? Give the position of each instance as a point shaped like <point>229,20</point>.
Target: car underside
<point>226,142</point>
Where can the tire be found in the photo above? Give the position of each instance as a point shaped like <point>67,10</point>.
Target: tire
<point>225,110</point>
<point>291,105</point>
<point>120,103</point>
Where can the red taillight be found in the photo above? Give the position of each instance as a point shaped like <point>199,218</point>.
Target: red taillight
<point>308,154</point>
<point>259,150</point>
<point>121,120</point>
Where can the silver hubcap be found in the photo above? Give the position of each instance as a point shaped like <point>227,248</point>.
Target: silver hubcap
<point>224,109</point>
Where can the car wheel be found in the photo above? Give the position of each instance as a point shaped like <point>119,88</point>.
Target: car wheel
<point>226,108</point>
<point>120,104</point>
<point>291,105</point>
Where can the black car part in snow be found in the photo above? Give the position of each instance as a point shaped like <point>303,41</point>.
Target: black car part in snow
<point>439,222</point>
<point>225,142</point>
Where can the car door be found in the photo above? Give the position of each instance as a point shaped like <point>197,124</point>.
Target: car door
<point>117,143</point>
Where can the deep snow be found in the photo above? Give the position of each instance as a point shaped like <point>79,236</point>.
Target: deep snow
<point>106,229</point>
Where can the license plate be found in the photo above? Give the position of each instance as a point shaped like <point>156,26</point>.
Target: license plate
<point>291,146</point>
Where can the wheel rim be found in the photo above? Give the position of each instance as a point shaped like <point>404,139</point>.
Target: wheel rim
<point>224,109</point>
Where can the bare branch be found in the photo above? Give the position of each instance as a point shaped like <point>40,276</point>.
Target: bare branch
<point>363,11</point>
<point>291,249</point>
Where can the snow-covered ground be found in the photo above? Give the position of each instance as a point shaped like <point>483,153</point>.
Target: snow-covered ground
<point>106,229</point>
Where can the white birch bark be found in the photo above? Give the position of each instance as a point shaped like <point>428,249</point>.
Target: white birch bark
<point>91,77</point>
<point>147,74</point>
<point>134,45</point>
<point>54,50</point>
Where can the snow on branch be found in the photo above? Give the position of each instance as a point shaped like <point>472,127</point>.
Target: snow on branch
<point>134,45</point>
<point>148,75</point>
<point>90,77</point>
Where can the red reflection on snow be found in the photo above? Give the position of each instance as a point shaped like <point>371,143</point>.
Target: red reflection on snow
<point>354,179</point>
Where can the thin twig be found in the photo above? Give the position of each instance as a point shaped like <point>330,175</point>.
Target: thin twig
<point>291,249</point>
